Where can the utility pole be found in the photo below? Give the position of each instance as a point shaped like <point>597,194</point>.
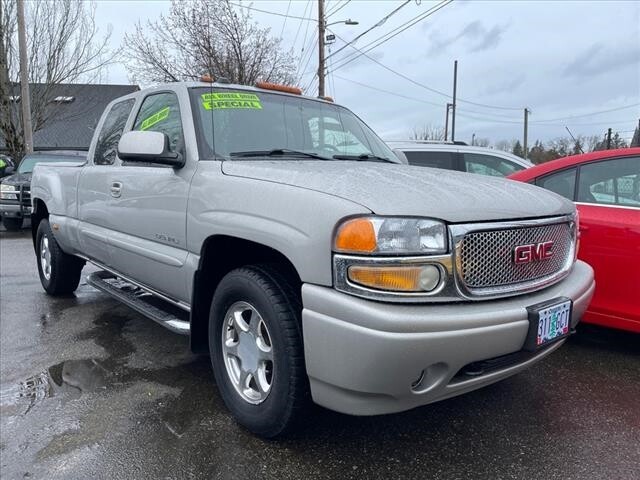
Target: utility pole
<point>446,123</point>
<point>609,139</point>
<point>526,132</point>
<point>453,105</point>
<point>321,28</point>
<point>25,98</point>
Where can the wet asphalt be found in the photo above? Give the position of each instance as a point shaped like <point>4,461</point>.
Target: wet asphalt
<point>91,389</point>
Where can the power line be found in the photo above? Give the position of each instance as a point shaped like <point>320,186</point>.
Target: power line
<point>295,39</point>
<point>337,9</point>
<point>391,34</point>
<point>309,54</point>
<point>590,114</point>
<point>286,15</point>
<point>270,13</point>
<point>379,23</point>
<point>395,94</point>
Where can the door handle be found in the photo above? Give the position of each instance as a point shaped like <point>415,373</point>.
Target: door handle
<point>116,189</point>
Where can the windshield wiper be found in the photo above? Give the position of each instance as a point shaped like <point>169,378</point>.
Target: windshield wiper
<point>277,152</point>
<point>362,158</point>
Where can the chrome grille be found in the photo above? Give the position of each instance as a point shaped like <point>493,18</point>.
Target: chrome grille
<point>486,257</point>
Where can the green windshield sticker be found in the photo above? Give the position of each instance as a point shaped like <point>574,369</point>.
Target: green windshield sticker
<point>155,118</point>
<point>219,101</point>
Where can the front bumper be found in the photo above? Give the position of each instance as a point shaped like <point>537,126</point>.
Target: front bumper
<point>14,210</point>
<point>369,358</point>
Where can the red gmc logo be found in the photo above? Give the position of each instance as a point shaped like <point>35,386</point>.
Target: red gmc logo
<point>532,253</point>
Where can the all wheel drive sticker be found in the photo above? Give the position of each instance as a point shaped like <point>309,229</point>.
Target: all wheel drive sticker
<point>220,101</point>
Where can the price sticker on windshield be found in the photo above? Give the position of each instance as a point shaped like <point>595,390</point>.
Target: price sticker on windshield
<point>232,100</point>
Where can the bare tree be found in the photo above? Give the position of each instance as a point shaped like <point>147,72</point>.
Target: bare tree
<point>482,142</point>
<point>428,132</point>
<point>64,46</point>
<point>206,36</point>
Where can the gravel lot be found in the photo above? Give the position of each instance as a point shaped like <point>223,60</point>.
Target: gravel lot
<point>91,389</point>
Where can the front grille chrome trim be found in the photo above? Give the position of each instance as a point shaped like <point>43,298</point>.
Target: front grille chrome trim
<point>459,232</point>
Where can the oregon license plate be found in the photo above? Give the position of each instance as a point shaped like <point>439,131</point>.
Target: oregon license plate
<point>548,322</point>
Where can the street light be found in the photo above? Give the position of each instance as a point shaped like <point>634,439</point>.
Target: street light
<point>321,29</point>
<point>348,21</point>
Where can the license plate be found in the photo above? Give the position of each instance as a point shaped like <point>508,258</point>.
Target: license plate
<point>548,322</point>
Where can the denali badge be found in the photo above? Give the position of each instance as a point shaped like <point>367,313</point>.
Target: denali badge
<point>532,253</point>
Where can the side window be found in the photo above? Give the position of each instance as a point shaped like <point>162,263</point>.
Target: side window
<point>160,112</point>
<point>111,132</point>
<point>489,165</point>
<point>435,159</point>
<point>611,182</point>
<point>563,183</point>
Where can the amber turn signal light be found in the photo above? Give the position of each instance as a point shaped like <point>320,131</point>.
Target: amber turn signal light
<point>356,236</point>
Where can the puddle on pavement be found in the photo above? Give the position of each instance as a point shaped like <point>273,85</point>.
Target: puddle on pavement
<point>68,379</point>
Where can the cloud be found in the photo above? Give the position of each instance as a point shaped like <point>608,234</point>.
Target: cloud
<point>509,85</point>
<point>475,35</point>
<point>597,60</point>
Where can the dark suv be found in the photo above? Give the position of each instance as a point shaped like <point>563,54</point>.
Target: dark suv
<point>15,190</point>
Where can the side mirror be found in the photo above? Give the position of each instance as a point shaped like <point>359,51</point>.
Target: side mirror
<point>148,147</point>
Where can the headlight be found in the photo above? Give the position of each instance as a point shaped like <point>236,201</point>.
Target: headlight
<point>8,192</point>
<point>391,236</point>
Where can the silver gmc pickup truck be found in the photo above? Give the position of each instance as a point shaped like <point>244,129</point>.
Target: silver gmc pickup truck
<point>288,241</point>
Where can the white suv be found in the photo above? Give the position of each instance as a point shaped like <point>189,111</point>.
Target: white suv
<point>458,156</point>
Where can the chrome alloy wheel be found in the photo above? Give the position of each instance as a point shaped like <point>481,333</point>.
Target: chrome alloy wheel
<point>247,352</point>
<point>45,257</point>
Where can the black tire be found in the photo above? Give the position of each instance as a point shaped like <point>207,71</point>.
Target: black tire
<point>277,302</point>
<point>12,224</point>
<point>65,270</point>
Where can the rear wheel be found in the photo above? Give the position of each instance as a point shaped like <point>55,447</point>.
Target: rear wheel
<point>59,272</point>
<point>12,224</point>
<point>256,348</point>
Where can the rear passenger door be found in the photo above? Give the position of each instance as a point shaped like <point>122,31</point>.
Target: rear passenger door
<point>150,206</point>
<point>96,220</point>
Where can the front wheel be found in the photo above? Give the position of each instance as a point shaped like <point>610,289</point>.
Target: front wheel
<point>255,341</point>
<point>59,272</point>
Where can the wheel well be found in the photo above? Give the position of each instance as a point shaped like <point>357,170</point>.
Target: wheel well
<point>220,254</point>
<point>39,212</point>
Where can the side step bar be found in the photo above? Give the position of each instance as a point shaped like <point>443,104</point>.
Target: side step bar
<point>167,315</point>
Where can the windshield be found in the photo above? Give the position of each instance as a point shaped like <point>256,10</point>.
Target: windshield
<point>29,161</point>
<point>235,123</point>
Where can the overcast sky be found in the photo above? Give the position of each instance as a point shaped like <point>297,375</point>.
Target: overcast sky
<point>558,58</point>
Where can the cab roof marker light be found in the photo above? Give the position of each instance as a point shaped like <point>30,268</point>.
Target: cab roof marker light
<point>325,98</point>
<point>279,88</point>
<point>207,78</point>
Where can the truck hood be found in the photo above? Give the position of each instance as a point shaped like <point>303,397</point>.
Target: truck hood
<point>17,179</point>
<point>392,189</point>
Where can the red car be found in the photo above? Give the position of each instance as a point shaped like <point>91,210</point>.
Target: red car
<point>606,188</point>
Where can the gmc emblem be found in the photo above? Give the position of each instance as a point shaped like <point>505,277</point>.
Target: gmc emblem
<point>532,253</point>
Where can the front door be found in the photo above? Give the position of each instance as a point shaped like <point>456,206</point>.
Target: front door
<point>609,204</point>
<point>150,206</point>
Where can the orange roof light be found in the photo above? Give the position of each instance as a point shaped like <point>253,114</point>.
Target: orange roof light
<point>279,88</point>
<point>325,98</point>
<point>207,78</point>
